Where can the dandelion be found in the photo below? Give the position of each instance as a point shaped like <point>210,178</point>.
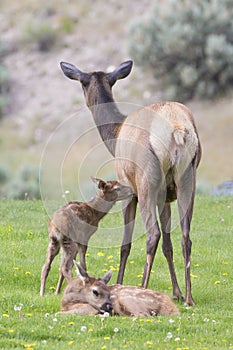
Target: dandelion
<point>193,276</point>
<point>171,320</point>
<point>104,347</point>
<point>29,315</point>
<point>149,320</point>
<point>29,346</point>
<point>46,315</point>
<point>217,282</point>
<point>116,330</point>
<point>177,339</point>
<point>106,338</point>
<point>54,319</point>
<point>70,342</point>
<point>206,319</point>
<point>16,268</point>
<point>110,257</point>
<point>5,315</point>
<point>100,254</point>
<point>225,274</point>
<point>140,275</point>
<point>90,330</point>
<point>149,342</point>
<point>44,342</point>
<point>10,330</point>
<point>131,262</point>
<point>50,327</point>
<point>83,329</point>
<point>27,273</point>
<point>52,288</point>
<point>70,323</point>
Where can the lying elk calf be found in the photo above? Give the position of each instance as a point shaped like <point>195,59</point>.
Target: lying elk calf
<point>125,300</point>
<point>71,227</point>
<point>157,151</point>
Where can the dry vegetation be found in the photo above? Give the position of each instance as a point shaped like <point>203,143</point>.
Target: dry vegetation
<point>91,34</point>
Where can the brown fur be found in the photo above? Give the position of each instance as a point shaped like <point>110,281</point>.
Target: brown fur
<point>72,225</point>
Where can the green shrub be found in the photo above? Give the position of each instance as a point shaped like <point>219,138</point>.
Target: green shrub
<point>189,47</point>
<point>41,34</point>
<point>4,174</point>
<point>25,184</point>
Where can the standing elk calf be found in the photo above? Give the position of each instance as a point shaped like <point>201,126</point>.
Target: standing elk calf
<point>84,295</point>
<point>71,227</point>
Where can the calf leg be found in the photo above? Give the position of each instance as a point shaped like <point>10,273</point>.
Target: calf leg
<point>165,220</point>
<point>52,251</point>
<point>69,252</point>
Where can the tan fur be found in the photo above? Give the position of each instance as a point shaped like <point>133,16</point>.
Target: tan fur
<point>135,301</point>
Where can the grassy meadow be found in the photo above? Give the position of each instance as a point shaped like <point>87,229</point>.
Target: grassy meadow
<point>28,321</point>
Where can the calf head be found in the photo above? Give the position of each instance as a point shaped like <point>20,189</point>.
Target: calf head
<point>95,291</point>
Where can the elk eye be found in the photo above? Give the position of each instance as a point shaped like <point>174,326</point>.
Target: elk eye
<point>95,292</point>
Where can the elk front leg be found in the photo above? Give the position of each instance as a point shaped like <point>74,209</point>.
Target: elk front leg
<point>129,216</point>
<point>165,220</point>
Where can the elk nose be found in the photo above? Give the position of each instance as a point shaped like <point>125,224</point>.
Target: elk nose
<point>107,307</point>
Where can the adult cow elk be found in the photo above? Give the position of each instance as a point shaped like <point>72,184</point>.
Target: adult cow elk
<point>157,151</point>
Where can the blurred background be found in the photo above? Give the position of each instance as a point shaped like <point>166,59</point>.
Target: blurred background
<point>182,50</point>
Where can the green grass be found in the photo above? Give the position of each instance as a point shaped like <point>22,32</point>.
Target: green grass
<point>23,231</point>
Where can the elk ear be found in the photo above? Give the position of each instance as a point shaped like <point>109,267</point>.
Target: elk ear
<point>74,73</point>
<point>81,273</point>
<point>100,183</point>
<point>107,277</point>
<point>120,72</point>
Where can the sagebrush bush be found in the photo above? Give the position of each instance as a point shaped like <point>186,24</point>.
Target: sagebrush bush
<point>24,184</point>
<point>40,34</point>
<point>189,47</point>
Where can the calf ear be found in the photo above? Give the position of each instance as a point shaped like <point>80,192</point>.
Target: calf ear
<point>100,183</point>
<point>81,273</point>
<point>107,277</point>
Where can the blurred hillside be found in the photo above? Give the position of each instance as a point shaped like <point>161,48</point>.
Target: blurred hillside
<point>36,36</point>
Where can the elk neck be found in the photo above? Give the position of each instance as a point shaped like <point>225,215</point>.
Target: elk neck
<point>107,116</point>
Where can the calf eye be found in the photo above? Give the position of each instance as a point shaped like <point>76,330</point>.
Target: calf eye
<point>95,292</point>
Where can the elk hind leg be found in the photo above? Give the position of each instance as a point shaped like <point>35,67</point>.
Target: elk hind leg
<point>185,198</point>
<point>165,220</point>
